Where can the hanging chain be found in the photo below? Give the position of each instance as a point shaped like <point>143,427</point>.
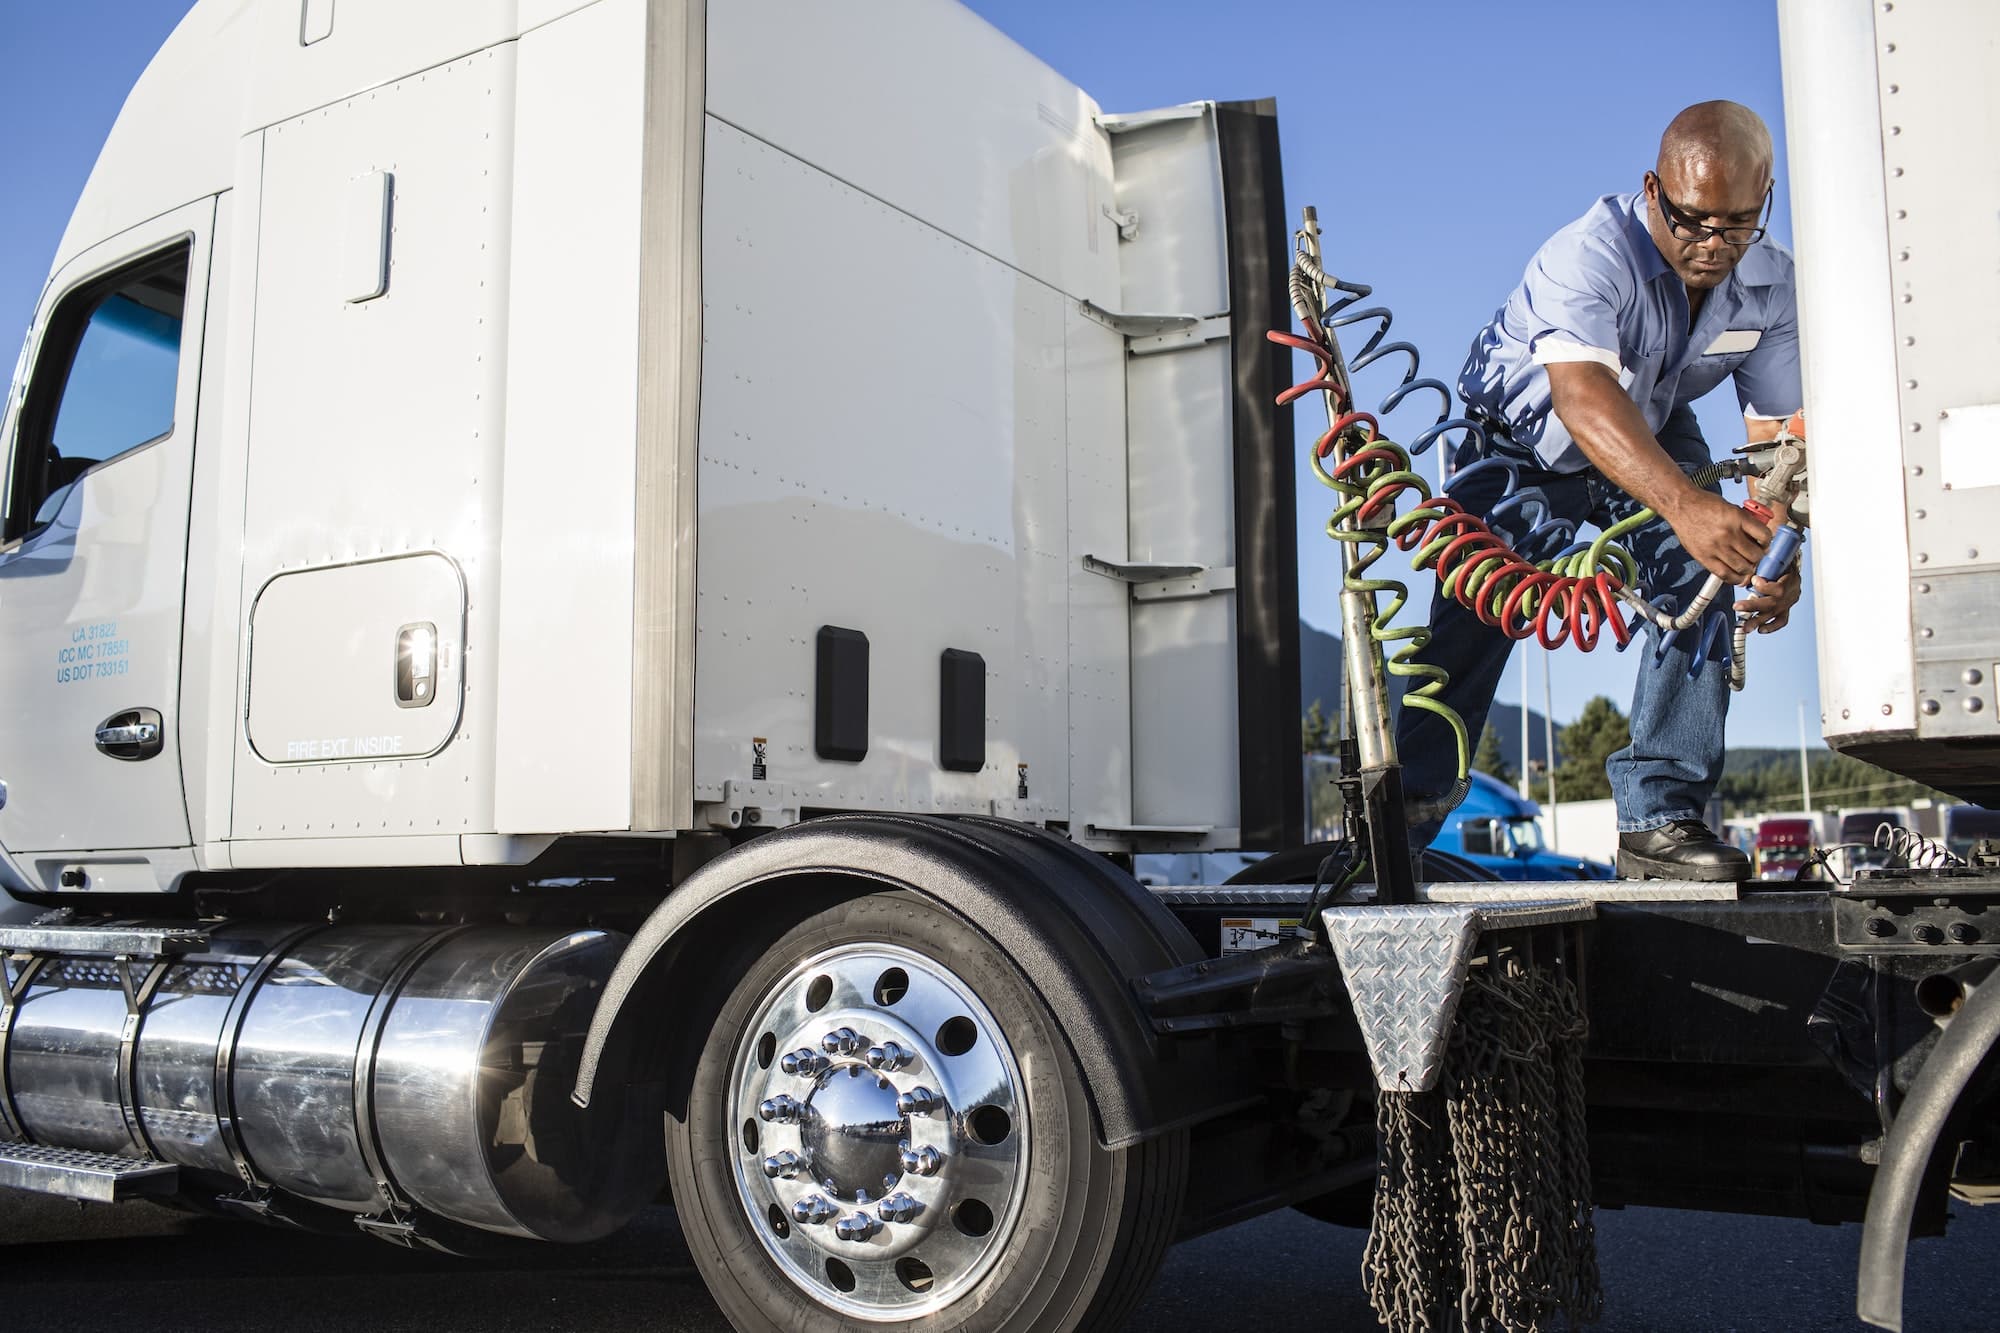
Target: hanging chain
<point>1482,1206</point>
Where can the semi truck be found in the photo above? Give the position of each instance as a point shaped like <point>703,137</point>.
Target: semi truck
<point>593,610</point>
<point>1495,829</point>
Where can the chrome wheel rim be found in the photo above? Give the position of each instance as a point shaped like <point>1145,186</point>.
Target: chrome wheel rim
<point>880,1131</point>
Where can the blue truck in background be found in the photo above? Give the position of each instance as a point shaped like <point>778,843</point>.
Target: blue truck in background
<point>1494,827</point>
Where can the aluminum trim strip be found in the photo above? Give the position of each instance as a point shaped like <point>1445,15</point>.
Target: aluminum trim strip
<point>1509,891</point>
<point>1580,890</point>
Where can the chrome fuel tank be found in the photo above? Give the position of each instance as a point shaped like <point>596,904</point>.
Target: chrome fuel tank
<point>363,1068</point>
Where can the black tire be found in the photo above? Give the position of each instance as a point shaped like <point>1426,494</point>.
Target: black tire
<point>1088,1226</point>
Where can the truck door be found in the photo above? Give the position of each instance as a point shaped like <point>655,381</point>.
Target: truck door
<point>99,448</point>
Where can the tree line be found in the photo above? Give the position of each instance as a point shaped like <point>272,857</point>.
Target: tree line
<point>1753,780</point>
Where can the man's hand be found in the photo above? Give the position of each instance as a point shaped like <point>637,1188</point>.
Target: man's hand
<point>1770,604</point>
<point>1725,538</point>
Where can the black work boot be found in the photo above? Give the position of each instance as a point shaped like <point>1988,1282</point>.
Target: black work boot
<point>1684,849</point>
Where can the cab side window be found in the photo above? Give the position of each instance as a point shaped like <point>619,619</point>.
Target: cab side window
<point>102,386</point>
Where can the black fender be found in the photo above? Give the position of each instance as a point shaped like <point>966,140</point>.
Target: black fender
<point>1078,928</point>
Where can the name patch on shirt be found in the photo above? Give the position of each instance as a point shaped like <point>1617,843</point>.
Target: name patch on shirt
<point>1735,340</point>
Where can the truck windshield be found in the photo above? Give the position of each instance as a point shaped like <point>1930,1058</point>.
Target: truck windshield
<point>1965,825</point>
<point>1523,835</point>
<point>1860,827</point>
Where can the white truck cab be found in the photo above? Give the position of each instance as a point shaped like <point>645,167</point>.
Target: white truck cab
<point>446,434</point>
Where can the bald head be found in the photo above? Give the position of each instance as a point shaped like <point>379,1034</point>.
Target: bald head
<point>1714,175</point>
<point>1718,133</point>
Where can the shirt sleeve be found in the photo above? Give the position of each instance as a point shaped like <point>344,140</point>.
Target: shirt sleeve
<point>1572,294</point>
<point>1767,380</point>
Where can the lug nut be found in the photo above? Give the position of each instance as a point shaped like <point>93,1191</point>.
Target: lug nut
<point>855,1227</point>
<point>782,1167</point>
<point>804,1062</point>
<point>921,1161</point>
<point>1962,932</point>
<point>898,1208</point>
<point>888,1057</point>
<point>1926,933</point>
<point>780,1110</point>
<point>917,1101</point>
<point>812,1210</point>
<point>1880,926</point>
<point>842,1041</point>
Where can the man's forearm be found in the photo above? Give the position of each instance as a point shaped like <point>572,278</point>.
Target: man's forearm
<point>1726,540</point>
<point>1608,427</point>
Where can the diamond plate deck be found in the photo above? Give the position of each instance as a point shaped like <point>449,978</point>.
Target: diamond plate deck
<point>1405,966</point>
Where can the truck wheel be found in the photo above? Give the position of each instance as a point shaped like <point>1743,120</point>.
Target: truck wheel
<point>887,1130</point>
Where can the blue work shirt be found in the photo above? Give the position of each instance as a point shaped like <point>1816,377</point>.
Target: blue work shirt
<point>1601,291</point>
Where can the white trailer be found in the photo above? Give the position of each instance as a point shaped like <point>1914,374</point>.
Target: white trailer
<point>594,595</point>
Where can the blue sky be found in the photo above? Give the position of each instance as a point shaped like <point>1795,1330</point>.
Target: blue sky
<point>1441,140</point>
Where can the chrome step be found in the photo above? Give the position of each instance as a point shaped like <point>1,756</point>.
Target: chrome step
<point>71,1173</point>
<point>108,941</point>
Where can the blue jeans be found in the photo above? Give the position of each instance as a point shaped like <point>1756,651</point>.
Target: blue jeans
<point>1675,759</point>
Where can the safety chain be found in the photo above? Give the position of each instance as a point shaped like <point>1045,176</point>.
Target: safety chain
<point>1482,1205</point>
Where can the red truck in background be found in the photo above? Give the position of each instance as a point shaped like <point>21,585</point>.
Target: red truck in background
<point>1782,848</point>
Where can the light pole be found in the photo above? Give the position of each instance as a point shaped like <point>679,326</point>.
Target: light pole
<point>1526,653</point>
<point>1549,744</point>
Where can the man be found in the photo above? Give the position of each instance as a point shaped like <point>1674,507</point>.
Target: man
<point>1583,380</point>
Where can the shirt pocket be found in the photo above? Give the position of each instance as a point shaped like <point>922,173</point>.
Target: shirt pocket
<point>1640,360</point>
<point>1707,372</point>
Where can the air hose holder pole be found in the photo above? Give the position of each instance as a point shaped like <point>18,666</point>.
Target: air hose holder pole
<point>1366,713</point>
<point>1369,690</point>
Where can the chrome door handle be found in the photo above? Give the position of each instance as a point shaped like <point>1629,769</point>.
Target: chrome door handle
<point>136,733</point>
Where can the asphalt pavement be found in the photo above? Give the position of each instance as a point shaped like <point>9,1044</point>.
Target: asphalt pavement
<point>139,1268</point>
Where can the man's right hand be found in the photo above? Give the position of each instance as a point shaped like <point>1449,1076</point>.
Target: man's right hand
<point>1606,424</point>
<point>1726,539</point>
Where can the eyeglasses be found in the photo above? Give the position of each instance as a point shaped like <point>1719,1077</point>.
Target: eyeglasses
<point>1685,226</point>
